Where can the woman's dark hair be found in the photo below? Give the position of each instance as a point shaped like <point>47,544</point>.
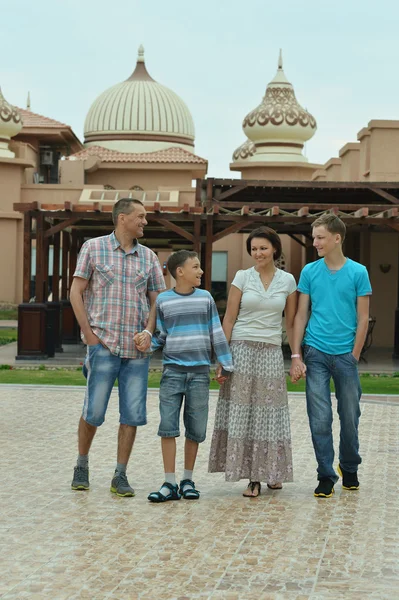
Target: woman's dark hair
<point>268,234</point>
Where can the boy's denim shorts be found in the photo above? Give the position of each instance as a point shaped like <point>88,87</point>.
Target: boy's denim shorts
<point>101,369</point>
<point>194,387</point>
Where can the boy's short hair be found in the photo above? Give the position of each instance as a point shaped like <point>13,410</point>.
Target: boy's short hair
<point>177,259</point>
<point>268,234</point>
<point>124,206</point>
<point>332,223</point>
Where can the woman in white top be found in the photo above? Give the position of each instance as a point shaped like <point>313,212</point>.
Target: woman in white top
<point>252,437</point>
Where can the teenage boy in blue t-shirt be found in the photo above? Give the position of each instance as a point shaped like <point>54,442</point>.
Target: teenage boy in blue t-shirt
<point>336,290</point>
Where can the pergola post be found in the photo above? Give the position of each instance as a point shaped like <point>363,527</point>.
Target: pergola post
<point>27,258</point>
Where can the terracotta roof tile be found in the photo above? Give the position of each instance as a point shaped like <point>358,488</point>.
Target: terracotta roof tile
<point>169,155</point>
<point>30,119</point>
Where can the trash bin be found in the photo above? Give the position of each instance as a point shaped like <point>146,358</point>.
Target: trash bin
<point>32,331</point>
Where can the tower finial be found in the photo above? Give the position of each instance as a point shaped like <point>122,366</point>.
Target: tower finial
<point>140,56</point>
<point>280,60</point>
<point>28,102</point>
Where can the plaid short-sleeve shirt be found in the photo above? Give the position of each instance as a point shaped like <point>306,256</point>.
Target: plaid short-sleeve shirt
<point>116,299</point>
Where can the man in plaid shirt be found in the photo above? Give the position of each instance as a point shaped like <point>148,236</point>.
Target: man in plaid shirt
<point>113,296</point>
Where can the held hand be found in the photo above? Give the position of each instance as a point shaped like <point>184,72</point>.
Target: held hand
<point>297,370</point>
<point>219,377</point>
<point>142,341</point>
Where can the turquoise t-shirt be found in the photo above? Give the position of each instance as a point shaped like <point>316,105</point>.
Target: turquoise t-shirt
<point>333,295</point>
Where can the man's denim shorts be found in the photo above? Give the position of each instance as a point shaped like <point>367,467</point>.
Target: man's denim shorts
<point>101,369</point>
<point>194,387</point>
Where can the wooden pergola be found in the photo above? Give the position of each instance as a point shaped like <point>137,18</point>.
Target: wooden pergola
<point>222,207</point>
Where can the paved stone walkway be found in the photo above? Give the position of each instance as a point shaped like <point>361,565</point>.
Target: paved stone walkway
<point>286,545</point>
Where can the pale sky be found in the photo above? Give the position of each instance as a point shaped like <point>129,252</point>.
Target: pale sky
<point>218,55</point>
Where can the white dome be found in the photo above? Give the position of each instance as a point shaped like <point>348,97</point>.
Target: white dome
<point>139,110</point>
<point>278,127</point>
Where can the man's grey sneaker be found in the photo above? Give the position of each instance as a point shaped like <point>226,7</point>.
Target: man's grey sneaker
<point>80,479</point>
<point>349,480</point>
<point>325,489</point>
<point>120,485</point>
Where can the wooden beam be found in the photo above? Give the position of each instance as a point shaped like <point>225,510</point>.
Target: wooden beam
<point>299,205</point>
<point>173,227</point>
<point>208,252</point>
<point>73,256</point>
<point>231,192</point>
<point>25,206</point>
<point>64,274</point>
<point>232,229</point>
<point>385,195</point>
<point>197,234</point>
<point>60,226</point>
<point>56,266</point>
<point>209,192</point>
<point>27,258</point>
<point>324,185</point>
<point>198,189</point>
<point>40,259</point>
<point>296,239</point>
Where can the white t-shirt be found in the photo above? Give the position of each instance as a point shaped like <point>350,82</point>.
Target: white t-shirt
<point>260,316</point>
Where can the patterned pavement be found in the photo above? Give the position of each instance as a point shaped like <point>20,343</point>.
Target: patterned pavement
<point>286,545</point>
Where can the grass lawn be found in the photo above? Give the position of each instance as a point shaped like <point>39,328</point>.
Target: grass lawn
<point>7,335</point>
<point>42,376</point>
<point>9,314</point>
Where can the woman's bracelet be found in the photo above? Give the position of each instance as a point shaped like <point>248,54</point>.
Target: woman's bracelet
<point>295,356</point>
<point>146,331</point>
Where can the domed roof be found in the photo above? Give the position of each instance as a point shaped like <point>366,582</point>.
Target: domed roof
<point>278,127</point>
<point>139,109</point>
<point>10,125</point>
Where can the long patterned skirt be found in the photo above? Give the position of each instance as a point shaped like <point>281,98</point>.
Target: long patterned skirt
<point>252,437</point>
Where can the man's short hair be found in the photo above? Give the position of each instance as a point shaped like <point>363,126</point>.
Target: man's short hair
<point>332,223</point>
<point>177,259</point>
<point>124,206</point>
<point>268,234</point>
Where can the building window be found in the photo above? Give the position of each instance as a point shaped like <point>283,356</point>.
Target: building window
<point>219,280</point>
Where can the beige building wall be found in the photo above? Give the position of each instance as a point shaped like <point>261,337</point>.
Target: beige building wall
<point>125,179</point>
<point>11,229</point>
<point>276,171</point>
<point>50,193</point>
<point>350,162</point>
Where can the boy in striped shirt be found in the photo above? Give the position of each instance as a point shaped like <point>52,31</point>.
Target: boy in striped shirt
<point>188,325</point>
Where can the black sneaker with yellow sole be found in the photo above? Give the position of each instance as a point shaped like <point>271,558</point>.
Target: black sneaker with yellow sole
<point>325,489</point>
<point>349,480</point>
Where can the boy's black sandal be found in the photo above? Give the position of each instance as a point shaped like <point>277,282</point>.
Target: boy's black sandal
<point>159,497</point>
<point>188,491</point>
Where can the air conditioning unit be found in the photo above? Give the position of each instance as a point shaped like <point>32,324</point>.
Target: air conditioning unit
<point>47,157</point>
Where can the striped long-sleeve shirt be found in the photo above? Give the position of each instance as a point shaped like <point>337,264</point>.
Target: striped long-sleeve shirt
<point>188,325</point>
